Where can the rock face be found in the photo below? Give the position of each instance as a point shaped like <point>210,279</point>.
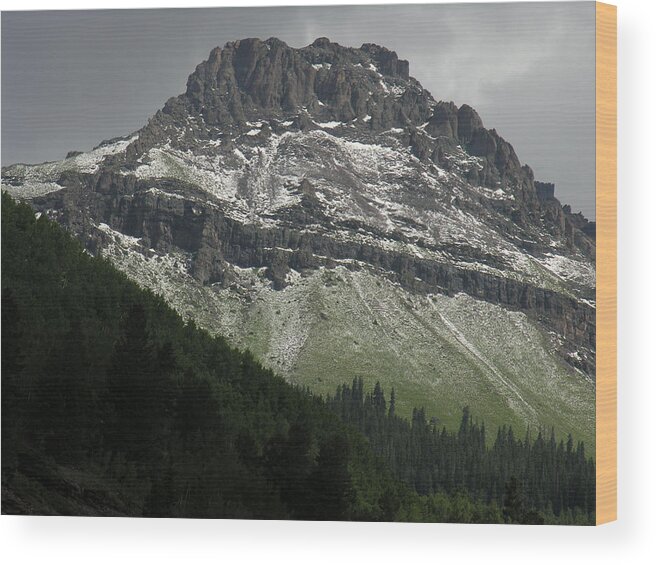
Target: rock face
<point>251,76</point>
<point>545,190</point>
<point>216,242</point>
<point>280,165</point>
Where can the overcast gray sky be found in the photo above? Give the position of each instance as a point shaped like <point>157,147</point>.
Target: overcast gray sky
<point>72,79</point>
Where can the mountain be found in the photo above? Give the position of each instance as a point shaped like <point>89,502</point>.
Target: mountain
<point>114,405</point>
<point>319,207</point>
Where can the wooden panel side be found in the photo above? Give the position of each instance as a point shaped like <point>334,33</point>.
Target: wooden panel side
<point>606,209</point>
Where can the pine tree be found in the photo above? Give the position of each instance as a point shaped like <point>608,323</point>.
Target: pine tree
<point>330,482</point>
<point>392,405</point>
<point>513,503</point>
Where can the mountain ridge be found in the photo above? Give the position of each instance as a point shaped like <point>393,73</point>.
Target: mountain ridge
<point>279,168</point>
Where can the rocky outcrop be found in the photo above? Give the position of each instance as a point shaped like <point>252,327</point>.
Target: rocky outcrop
<point>545,190</point>
<point>215,242</point>
<point>250,77</point>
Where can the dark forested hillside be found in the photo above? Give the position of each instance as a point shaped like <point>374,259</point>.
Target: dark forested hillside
<point>114,405</point>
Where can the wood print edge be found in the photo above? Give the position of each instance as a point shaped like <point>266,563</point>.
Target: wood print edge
<point>606,216</point>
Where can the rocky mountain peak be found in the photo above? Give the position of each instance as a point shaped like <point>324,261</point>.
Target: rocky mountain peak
<point>252,77</point>
<point>366,89</point>
<point>253,92</point>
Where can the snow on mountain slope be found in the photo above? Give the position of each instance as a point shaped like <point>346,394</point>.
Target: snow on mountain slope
<point>30,181</point>
<point>320,208</point>
<point>379,184</point>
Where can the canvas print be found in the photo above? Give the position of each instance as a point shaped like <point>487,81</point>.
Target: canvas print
<point>300,263</point>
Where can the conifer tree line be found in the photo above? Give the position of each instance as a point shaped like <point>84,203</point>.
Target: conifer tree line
<point>554,477</point>
<point>112,404</point>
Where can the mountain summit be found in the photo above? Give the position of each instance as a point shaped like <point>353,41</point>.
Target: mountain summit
<point>319,207</point>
